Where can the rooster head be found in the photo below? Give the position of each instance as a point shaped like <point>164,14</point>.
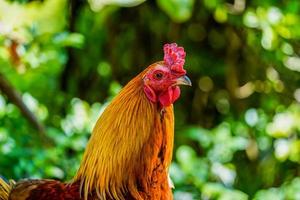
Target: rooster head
<point>162,80</point>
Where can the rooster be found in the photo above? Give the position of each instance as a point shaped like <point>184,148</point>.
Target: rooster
<point>130,150</point>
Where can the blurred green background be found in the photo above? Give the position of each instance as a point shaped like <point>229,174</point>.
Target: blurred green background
<point>237,128</point>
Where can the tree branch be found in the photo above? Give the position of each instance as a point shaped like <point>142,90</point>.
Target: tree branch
<point>15,97</point>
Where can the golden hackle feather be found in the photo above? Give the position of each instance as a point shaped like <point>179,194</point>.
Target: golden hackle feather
<point>5,189</point>
<point>117,149</point>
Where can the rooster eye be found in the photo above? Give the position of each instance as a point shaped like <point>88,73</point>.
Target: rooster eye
<point>158,75</point>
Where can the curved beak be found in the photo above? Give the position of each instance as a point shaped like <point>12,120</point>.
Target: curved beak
<point>184,80</point>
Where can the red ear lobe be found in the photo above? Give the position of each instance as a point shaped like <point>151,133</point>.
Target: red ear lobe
<point>150,94</point>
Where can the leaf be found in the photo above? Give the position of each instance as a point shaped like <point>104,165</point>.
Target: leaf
<point>178,10</point>
<point>97,5</point>
<point>69,39</point>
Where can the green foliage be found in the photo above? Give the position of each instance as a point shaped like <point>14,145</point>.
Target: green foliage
<point>237,128</point>
<point>178,10</point>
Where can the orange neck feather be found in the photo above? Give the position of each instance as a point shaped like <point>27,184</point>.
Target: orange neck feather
<point>131,143</point>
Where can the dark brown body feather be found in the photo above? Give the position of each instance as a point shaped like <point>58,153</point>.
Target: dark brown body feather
<point>55,190</point>
<point>44,190</point>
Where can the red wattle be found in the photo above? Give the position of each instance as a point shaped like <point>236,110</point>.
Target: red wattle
<point>170,96</point>
<point>176,93</point>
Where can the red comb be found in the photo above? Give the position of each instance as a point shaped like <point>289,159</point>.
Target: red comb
<point>174,57</point>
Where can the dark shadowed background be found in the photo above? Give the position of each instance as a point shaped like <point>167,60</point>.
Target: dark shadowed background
<point>237,128</point>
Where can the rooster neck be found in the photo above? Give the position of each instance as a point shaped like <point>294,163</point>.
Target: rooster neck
<point>155,159</point>
<point>130,149</point>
